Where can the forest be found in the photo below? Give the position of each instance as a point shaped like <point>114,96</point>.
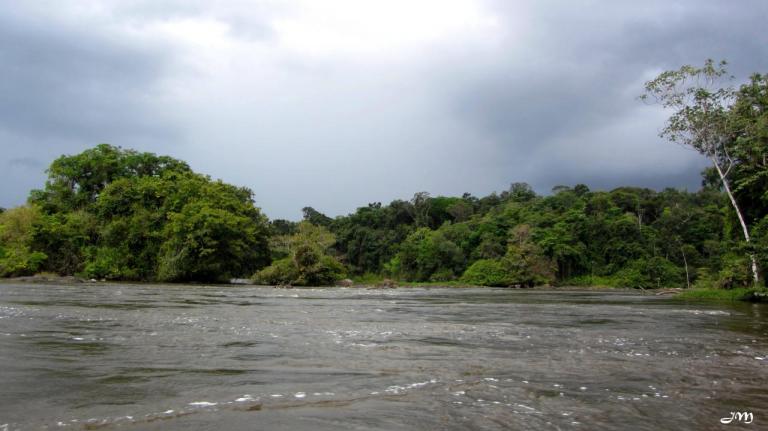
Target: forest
<point>118,214</point>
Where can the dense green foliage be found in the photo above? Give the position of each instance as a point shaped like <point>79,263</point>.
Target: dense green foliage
<point>16,254</point>
<point>630,236</point>
<point>120,214</point>
<point>625,237</point>
<point>705,118</point>
<point>305,258</point>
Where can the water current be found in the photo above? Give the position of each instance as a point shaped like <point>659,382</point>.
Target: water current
<point>159,357</point>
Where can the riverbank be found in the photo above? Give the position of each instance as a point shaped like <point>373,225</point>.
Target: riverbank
<point>741,294</point>
<point>709,295</point>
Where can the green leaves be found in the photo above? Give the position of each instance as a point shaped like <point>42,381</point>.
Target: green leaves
<point>120,214</point>
<point>651,273</point>
<point>75,182</point>
<point>308,261</point>
<point>203,242</point>
<point>16,234</point>
<point>699,100</point>
<point>488,272</point>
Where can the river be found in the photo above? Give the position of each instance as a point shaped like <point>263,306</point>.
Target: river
<point>161,357</point>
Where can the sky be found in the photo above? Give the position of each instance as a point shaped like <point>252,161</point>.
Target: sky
<point>337,103</point>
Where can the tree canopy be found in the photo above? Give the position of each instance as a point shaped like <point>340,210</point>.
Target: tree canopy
<point>724,125</point>
<point>113,213</point>
<point>121,214</point>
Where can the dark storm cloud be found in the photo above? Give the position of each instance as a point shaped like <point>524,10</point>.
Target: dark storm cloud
<point>70,82</point>
<point>66,80</point>
<point>333,106</point>
<point>582,67</point>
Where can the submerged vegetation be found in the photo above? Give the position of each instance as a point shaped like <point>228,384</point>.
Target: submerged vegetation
<point>111,213</point>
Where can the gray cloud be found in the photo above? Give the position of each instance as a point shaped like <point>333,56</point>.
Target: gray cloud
<point>332,108</point>
<point>68,81</point>
<point>26,162</point>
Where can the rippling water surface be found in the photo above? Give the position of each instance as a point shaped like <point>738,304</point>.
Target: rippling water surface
<point>193,357</point>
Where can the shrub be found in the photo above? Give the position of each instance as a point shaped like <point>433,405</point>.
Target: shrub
<point>283,271</point>
<point>109,263</point>
<point>16,233</point>
<point>442,274</point>
<point>734,272</point>
<point>326,272</point>
<point>487,272</point>
<point>308,262</point>
<point>651,273</point>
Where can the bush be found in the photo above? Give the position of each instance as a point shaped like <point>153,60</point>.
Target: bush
<point>308,262</point>
<point>487,272</point>
<point>525,261</point>
<point>705,279</point>
<point>109,263</point>
<point>16,232</point>
<point>592,280</point>
<point>326,272</point>
<point>17,261</point>
<point>734,273</point>
<point>204,242</point>
<point>424,253</point>
<point>651,273</point>
<point>442,274</point>
<point>283,271</point>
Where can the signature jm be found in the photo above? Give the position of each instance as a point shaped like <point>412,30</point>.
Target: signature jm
<point>739,417</point>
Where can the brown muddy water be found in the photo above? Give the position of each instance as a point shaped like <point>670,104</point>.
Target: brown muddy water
<point>146,357</point>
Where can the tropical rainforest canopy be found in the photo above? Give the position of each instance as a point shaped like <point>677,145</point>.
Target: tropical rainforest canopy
<point>112,213</point>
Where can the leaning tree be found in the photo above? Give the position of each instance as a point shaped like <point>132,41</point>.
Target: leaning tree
<point>700,99</point>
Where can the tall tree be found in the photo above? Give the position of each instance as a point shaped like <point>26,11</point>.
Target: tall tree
<point>701,100</point>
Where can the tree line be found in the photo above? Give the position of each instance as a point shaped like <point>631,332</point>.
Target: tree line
<point>118,214</point>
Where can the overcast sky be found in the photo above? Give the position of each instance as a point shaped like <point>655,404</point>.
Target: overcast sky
<point>337,103</point>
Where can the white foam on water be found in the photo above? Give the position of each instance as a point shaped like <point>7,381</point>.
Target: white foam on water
<point>202,404</point>
<point>300,395</point>
<point>396,389</point>
<point>710,312</point>
<point>244,398</point>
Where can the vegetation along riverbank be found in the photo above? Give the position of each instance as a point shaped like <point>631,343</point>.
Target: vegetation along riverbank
<point>116,214</point>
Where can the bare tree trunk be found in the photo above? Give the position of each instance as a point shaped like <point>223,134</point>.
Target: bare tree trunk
<point>755,274</point>
<point>687,276</point>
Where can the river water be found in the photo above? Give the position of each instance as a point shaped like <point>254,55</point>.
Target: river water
<point>193,358</point>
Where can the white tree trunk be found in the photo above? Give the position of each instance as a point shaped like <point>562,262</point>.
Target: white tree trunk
<point>687,275</point>
<point>755,274</point>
